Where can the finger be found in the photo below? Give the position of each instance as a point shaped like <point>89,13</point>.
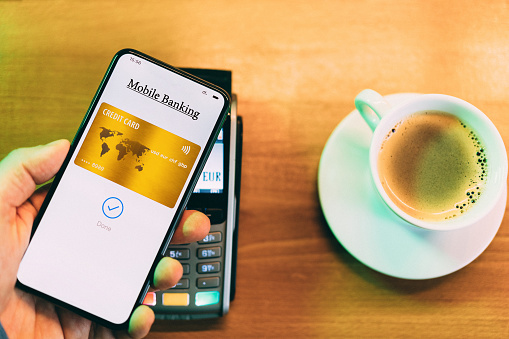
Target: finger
<point>141,321</point>
<point>193,226</point>
<point>73,326</point>
<point>38,197</point>
<point>28,210</point>
<point>167,273</point>
<point>25,168</point>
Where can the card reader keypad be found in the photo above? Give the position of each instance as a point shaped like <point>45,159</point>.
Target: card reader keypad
<point>200,288</point>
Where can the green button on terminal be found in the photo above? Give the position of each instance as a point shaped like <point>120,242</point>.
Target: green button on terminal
<point>207,298</point>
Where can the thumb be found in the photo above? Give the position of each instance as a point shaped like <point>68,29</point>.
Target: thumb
<point>25,168</point>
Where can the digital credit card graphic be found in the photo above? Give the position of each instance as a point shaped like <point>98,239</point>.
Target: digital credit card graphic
<point>137,155</point>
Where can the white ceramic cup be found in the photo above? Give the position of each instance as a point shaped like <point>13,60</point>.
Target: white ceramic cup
<point>381,118</point>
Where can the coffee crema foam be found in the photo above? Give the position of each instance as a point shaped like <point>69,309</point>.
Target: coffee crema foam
<point>432,166</point>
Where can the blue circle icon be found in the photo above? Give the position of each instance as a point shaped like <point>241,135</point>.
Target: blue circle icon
<point>113,207</point>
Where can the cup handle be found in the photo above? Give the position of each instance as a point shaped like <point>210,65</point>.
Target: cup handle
<point>372,106</point>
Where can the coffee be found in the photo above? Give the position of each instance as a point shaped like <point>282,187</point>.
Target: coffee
<point>432,166</point>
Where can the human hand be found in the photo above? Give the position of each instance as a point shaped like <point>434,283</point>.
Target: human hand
<point>26,316</point>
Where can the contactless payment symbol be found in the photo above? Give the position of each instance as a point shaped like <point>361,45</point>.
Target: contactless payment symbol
<point>186,149</point>
<point>113,207</point>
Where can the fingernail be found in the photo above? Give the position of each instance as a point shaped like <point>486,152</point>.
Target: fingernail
<point>187,229</point>
<point>191,222</point>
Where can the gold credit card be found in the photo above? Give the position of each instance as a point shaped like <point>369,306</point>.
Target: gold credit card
<point>137,155</point>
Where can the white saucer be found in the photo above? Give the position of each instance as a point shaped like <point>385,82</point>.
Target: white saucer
<point>370,231</point>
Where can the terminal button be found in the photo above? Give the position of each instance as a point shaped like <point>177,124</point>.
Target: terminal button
<point>209,267</point>
<point>183,283</point>
<point>210,252</point>
<point>207,282</point>
<point>150,299</point>
<point>179,254</point>
<point>212,237</point>
<point>206,298</point>
<point>175,299</point>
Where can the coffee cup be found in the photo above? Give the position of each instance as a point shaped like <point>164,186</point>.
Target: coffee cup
<point>437,161</point>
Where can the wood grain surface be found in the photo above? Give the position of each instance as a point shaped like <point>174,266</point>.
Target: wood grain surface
<point>297,66</point>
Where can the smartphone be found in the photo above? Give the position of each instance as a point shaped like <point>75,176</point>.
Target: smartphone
<point>115,203</point>
<point>208,282</point>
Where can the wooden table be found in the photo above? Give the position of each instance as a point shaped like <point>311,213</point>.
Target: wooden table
<point>297,65</point>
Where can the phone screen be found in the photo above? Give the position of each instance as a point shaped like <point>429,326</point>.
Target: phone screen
<point>129,173</point>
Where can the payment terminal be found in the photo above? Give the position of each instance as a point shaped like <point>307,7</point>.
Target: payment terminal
<point>208,284</point>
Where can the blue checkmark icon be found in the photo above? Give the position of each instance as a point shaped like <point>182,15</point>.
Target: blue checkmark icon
<point>113,207</point>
